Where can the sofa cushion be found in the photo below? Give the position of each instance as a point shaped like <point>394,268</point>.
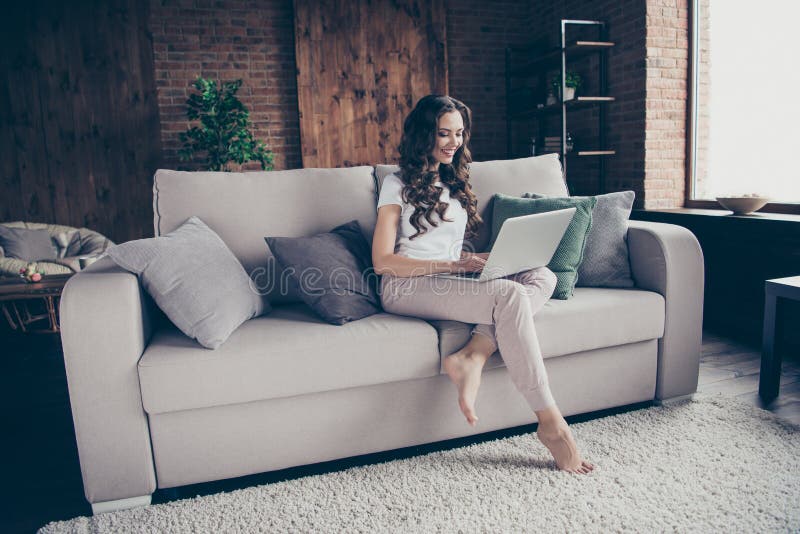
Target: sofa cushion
<point>195,280</point>
<point>605,260</point>
<point>243,207</point>
<point>333,270</point>
<point>289,352</point>
<point>591,319</point>
<point>26,244</point>
<point>539,174</point>
<point>67,243</point>
<point>569,253</point>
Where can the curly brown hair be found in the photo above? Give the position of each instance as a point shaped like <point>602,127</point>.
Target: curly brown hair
<point>416,147</point>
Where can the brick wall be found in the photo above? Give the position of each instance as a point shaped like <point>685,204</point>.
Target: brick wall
<point>665,125</point>
<point>626,82</point>
<point>478,33</point>
<point>227,40</point>
<point>647,75</point>
<point>238,39</point>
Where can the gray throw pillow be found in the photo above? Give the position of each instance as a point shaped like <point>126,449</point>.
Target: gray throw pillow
<point>605,260</point>
<point>27,245</point>
<point>333,271</point>
<point>195,279</point>
<point>67,243</point>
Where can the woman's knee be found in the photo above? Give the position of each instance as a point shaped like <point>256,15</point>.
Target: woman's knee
<point>550,280</point>
<point>539,281</point>
<point>509,292</point>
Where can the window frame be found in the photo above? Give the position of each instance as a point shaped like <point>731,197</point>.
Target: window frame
<point>691,126</point>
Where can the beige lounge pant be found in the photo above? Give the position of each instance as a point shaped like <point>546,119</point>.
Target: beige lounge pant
<point>501,309</point>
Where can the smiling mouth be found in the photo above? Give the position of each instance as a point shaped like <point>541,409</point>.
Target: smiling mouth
<point>450,153</point>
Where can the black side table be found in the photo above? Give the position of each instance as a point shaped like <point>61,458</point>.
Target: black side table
<point>770,377</point>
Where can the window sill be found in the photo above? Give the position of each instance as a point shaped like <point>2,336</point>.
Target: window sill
<point>764,224</point>
<point>771,207</point>
<point>757,216</point>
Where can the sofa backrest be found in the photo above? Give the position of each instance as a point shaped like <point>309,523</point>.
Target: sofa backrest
<point>243,208</point>
<point>540,174</point>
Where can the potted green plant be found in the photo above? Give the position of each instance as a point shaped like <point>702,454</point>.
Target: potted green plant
<point>572,81</point>
<point>223,135</point>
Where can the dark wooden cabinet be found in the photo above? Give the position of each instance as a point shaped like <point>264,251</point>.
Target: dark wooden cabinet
<point>741,252</point>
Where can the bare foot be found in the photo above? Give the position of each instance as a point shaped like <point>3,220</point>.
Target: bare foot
<point>464,369</point>
<point>556,435</point>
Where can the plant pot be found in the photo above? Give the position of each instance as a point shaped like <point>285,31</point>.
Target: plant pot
<point>569,93</point>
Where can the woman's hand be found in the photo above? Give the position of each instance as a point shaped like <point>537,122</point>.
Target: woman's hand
<point>484,255</point>
<point>469,263</point>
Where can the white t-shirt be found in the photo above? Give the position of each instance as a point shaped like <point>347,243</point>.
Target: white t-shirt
<point>443,242</point>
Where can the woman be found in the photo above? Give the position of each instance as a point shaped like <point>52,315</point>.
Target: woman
<point>423,215</point>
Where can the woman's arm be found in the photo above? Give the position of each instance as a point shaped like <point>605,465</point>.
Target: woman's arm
<point>385,261</point>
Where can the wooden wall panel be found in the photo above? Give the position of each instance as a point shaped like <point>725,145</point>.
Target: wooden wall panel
<point>361,66</point>
<point>80,139</point>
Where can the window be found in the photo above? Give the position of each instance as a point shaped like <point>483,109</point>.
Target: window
<point>744,128</point>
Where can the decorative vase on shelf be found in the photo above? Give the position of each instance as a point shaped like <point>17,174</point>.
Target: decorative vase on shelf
<point>551,100</point>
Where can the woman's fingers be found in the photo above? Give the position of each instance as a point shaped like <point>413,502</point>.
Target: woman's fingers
<point>471,261</point>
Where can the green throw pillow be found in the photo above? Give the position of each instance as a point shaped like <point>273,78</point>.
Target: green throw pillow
<point>569,254</point>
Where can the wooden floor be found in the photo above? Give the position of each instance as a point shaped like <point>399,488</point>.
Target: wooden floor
<point>733,369</point>
<point>41,476</point>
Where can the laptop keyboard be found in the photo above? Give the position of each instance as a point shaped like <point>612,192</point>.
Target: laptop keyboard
<point>459,275</point>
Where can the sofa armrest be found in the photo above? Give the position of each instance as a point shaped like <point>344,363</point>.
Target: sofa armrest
<point>105,327</point>
<point>667,259</point>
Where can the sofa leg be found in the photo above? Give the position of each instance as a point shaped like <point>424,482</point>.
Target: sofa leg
<point>674,400</point>
<point>120,504</point>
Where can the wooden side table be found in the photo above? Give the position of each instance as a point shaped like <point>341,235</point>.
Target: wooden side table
<point>770,377</point>
<point>16,297</point>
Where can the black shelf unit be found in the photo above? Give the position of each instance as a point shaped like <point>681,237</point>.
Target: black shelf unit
<point>521,102</point>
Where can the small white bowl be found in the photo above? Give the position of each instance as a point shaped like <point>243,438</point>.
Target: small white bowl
<point>742,205</point>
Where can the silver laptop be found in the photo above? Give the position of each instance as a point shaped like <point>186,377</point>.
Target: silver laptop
<point>524,243</point>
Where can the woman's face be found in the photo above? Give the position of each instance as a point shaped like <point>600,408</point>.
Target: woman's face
<point>449,137</point>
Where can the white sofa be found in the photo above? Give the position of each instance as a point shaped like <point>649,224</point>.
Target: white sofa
<point>153,409</point>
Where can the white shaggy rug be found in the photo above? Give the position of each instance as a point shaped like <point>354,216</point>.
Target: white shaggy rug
<point>713,464</point>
